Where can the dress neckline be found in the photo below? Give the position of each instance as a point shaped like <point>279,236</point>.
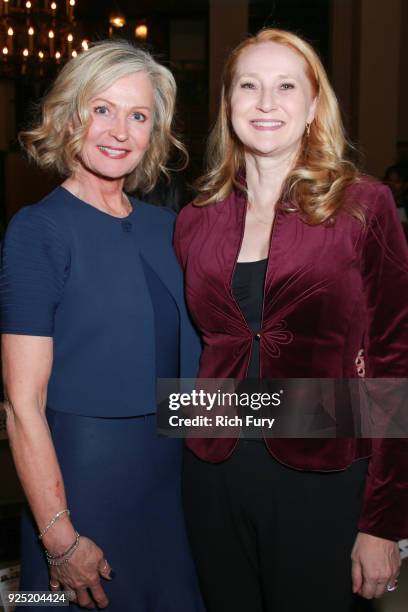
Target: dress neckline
<point>97,210</point>
<point>249,263</point>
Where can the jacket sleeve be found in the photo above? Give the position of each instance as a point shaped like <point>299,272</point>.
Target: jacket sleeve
<point>385,277</point>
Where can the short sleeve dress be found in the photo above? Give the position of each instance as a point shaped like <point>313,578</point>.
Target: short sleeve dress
<point>109,292</point>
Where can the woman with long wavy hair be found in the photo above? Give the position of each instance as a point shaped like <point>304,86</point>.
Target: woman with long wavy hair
<point>296,267</point>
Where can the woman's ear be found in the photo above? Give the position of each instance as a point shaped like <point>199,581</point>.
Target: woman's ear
<point>312,110</point>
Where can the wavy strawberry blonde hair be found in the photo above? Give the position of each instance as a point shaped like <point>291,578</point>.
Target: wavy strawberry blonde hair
<point>53,142</point>
<point>317,182</point>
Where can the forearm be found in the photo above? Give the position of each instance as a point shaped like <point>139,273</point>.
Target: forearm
<point>384,512</point>
<point>39,472</point>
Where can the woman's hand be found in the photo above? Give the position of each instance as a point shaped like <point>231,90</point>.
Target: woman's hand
<point>376,564</point>
<point>81,574</point>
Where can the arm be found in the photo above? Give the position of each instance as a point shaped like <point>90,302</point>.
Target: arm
<point>27,362</point>
<point>35,262</point>
<point>384,517</point>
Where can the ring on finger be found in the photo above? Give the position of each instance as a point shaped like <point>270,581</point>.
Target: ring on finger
<point>392,587</point>
<point>70,594</point>
<point>54,586</point>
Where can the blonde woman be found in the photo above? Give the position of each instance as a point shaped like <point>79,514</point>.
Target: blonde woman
<point>92,312</point>
<point>295,264</point>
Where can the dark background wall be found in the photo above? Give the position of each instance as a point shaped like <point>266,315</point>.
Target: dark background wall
<point>363,44</point>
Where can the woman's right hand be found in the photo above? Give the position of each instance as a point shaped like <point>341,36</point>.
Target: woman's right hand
<point>82,574</point>
<point>27,365</point>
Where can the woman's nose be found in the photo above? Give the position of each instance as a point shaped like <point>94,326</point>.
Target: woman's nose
<point>266,101</point>
<point>119,128</point>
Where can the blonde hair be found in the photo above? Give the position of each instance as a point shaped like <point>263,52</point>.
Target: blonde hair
<point>320,175</point>
<point>55,144</point>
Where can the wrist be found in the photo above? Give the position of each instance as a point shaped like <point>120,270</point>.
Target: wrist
<point>60,538</point>
<point>61,559</point>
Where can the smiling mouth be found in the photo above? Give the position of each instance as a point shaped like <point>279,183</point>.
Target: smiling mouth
<point>270,124</point>
<point>112,152</point>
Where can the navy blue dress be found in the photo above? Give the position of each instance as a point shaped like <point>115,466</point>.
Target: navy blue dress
<point>109,291</point>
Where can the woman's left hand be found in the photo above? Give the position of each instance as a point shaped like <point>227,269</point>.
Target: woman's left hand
<point>376,565</point>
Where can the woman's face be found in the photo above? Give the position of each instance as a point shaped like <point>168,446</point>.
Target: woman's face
<point>121,123</point>
<point>271,100</point>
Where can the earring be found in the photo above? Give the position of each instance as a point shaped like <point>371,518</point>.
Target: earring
<point>307,130</point>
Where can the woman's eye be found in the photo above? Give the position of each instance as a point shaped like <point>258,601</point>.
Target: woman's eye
<point>139,117</point>
<point>286,86</point>
<point>247,85</point>
<point>101,110</point>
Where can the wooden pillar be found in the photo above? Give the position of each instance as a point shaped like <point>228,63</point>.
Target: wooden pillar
<point>365,72</point>
<point>345,60</point>
<point>379,83</point>
<point>403,100</point>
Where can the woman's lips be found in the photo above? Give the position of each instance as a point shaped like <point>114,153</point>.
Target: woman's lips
<point>267,124</point>
<point>113,152</point>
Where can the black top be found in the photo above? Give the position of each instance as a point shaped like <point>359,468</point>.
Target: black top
<point>248,288</point>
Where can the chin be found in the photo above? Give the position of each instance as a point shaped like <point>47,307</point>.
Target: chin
<point>109,169</point>
<point>264,146</point>
<point>108,174</point>
<point>264,151</point>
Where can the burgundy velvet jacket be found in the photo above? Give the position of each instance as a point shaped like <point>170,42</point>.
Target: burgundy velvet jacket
<point>330,291</point>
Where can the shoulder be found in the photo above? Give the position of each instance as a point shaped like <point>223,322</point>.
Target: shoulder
<point>382,236</point>
<point>194,215</point>
<point>189,214</point>
<point>47,213</point>
<point>40,224</point>
<point>373,197</point>
<point>189,221</point>
<point>196,223</point>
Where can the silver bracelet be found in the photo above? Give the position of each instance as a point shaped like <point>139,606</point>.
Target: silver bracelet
<point>52,522</point>
<point>64,557</point>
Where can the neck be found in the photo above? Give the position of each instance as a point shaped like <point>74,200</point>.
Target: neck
<point>265,177</point>
<point>105,194</point>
